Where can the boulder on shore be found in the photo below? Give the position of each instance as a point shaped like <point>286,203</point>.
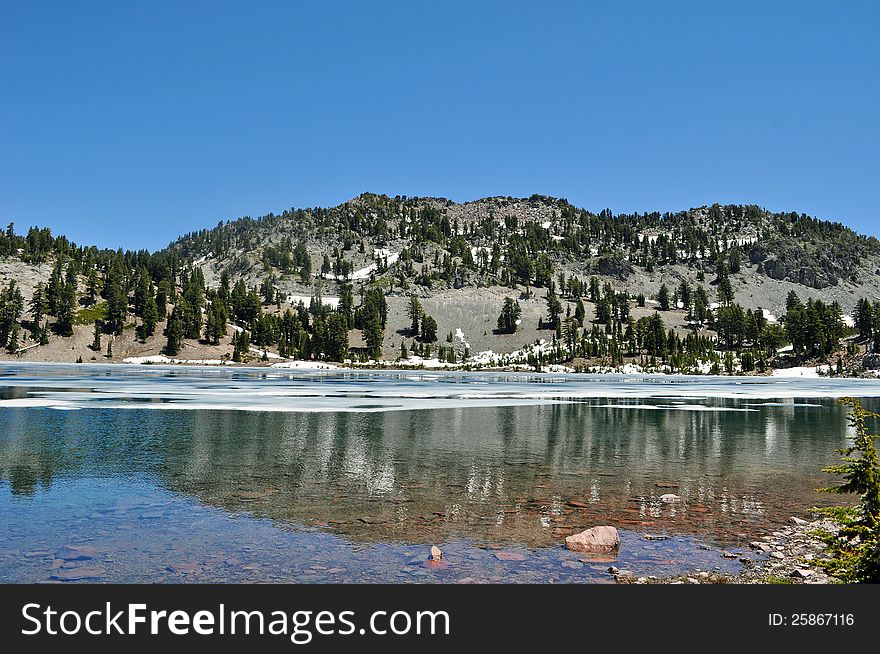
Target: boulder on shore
<point>600,540</point>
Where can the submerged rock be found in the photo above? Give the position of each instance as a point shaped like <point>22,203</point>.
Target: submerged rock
<point>76,552</point>
<point>510,556</point>
<point>77,574</point>
<point>602,539</point>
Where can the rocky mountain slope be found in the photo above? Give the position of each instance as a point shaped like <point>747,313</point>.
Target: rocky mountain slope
<point>462,260</point>
<point>431,245</point>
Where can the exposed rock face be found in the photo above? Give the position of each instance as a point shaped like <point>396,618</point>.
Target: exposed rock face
<point>601,540</point>
<point>614,267</point>
<point>775,269</point>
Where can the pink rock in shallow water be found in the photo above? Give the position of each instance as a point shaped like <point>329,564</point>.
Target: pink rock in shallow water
<point>602,540</point>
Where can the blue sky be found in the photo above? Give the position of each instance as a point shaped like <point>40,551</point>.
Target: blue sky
<point>125,124</point>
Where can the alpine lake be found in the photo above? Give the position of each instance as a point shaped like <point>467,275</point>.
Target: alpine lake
<point>112,473</point>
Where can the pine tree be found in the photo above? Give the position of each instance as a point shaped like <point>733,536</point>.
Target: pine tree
<point>337,337</point>
<point>215,328</point>
<point>53,289</point>
<point>510,313</point>
<point>92,286</point>
<point>141,292</point>
<point>174,332</point>
<point>858,545</point>
<point>554,310</point>
<point>151,314</point>
<point>11,306</point>
<point>117,305</point>
<point>241,342</point>
<point>96,342</point>
<point>162,295</point>
<point>66,305</point>
<point>663,298</point>
<point>373,335</point>
<point>725,290</point>
<point>38,306</point>
<point>580,312</point>
<point>13,344</point>
<point>429,329</point>
<point>414,311</point>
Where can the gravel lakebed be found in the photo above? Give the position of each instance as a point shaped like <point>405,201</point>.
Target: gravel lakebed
<point>792,554</point>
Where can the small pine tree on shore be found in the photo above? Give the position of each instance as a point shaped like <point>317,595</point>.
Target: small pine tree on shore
<point>856,548</point>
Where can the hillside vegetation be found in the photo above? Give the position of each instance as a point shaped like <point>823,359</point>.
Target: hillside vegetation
<point>498,281</point>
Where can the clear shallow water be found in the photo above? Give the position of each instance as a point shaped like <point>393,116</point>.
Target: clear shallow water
<point>259,475</point>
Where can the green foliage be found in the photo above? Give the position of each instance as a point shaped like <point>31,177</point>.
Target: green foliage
<point>814,328</point>
<point>554,310</point>
<point>336,345</point>
<point>11,307</point>
<point>414,311</point>
<point>215,327</point>
<point>151,314</point>
<point>66,304</point>
<point>241,344</point>
<point>856,548</point>
<point>663,298</point>
<point>174,332</point>
<point>510,313</point>
<point>96,340</point>
<point>91,314</point>
<point>429,329</point>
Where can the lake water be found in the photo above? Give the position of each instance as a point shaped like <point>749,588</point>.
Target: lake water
<point>152,474</point>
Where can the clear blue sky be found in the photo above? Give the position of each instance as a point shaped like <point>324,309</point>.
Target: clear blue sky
<point>129,123</point>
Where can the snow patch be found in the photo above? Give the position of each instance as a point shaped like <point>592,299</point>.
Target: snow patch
<point>332,302</point>
<point>801,371</point>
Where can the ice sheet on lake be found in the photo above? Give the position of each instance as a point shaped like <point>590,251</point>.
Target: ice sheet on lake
<point>64,386</point>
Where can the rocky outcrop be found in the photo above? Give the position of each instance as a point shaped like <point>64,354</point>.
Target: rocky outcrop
<point>615,267</point>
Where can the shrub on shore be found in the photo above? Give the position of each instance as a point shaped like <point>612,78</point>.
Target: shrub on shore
<point>855,549</point>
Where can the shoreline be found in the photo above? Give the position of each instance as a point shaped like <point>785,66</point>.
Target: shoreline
<point>794,556</point>
<point>786,374</point>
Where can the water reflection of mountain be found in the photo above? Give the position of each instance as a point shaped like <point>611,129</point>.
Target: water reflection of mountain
<point>530,474</point>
